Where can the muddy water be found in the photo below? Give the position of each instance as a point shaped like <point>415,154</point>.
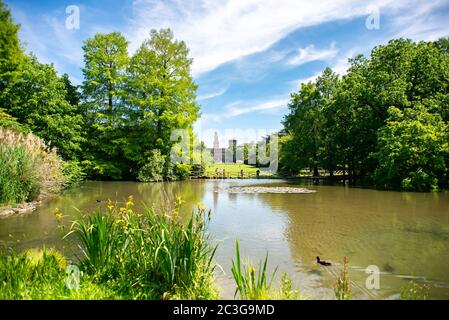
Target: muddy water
<point>405,235</point>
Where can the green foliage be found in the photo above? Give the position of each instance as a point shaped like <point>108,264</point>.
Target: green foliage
<point>73,173</point>
<point>384,123</point>
<point>182,171</point>
<point>41,274</point>
<point>18,175</point>
<point>11,54</point>
<point>414,291</point>
<point>37,99</point>
<point>148,255</point>
<point>7,121</point>
<point>413,147</point>
<point>153,170</point>
<point>251,284</point>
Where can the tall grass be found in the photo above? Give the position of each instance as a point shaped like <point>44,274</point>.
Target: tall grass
<point>148,255</point>
<point>253,284</point>
<point>28,168</point>
<point>342,288</point>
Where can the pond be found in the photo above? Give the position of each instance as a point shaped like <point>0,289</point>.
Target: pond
<point>406,235</point>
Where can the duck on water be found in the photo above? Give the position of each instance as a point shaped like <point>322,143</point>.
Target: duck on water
<point>322,262</point>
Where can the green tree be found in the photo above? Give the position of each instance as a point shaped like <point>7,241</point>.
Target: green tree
<point>11,55</point>
<point>106,60</point>
<point>161,90</point>
<point>37,99</point>
<point>413,148</point>
<point>304,123</point>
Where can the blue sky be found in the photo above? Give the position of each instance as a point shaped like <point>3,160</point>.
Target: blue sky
<point>249,55</point>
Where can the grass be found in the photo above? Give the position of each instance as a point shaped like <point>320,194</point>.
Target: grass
<point>40,274</point>
<point>253,284</point>
<point>234,170</point>
<point>342,287</point>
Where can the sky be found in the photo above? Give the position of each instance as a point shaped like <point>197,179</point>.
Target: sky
<point>248,55</point>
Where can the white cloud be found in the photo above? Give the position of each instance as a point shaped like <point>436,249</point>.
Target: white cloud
<point>212,94</point>
<point>310,53</point>
<point>221,31</point>
<point>238,108</point>
<point>423,22</point>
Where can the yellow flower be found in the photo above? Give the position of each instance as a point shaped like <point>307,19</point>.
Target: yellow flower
<point>130,202</point>
<point>201,206</point>
<point>58,215</point>
<point>179,200</point>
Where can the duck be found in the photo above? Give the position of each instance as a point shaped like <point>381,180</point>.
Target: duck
<point>323,263</point>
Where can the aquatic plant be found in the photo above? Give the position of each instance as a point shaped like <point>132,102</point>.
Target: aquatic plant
<point>414,291</point>
<point>148,255</point>
<point>342,288</point>
<point>251,284</point>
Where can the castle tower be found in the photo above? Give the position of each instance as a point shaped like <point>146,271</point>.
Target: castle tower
<point>217,151</point>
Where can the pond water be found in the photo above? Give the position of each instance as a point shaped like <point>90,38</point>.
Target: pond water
<point>406,235</point>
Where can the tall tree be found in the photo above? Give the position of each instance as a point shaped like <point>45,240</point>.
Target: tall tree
<point>11,55</point>
<point>161,90</point>
<point>37,99</point>
<point>106,60</point>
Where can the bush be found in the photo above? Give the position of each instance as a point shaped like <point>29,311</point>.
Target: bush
<point>182,171</point>
<point>153,170</point>
<point>29,170</point>
<point>73,173</point>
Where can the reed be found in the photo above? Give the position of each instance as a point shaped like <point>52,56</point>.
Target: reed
<point>251,283</point>
<point>342,288</point>
<point>29,169</point>
<point>148,255</point>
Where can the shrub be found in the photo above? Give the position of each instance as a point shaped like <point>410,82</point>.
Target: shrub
<point>73,173</point>
<point>29,170</point>
<point>182,171</point>
<point>153,170</point>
